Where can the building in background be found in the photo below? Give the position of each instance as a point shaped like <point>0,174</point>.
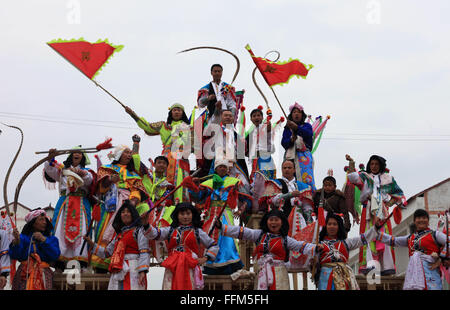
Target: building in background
<point>22,211</point>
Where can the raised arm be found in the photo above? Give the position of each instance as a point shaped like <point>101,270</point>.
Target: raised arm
<point>210,244</point>
<point>362,239</point>
<point>391,240</point>
<point>301,246</point>
<point>104,252</point>
<point>52,171</point>
<point>155,233</point>
<point>241,232</point>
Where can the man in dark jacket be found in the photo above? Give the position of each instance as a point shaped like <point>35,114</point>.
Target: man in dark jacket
<point>334,200</point>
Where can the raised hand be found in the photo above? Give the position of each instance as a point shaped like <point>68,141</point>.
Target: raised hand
<point>51,153</point>
<point>202,260</point>
<point>136,138</point>
<point>39,236</point>
<point>16,236</point>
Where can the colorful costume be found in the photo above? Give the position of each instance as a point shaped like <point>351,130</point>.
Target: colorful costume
<point>223,92</point>
<point>303,204</point>
<point>72,214</point>
<point>129,186</point>
<point>334,273</point>
<point>376,192</point>
<point>129,252</point>
<point>160,216</point>
<point>228,145</point>
<point>298,211</point>
<point>299,150</point>
<point>271,254</point>
<point>421,245</point>
<point>34,272</point>
<point>6,227</point>
<point>5,264</point>
<point>173,136</point>
<point>215,194</point>
<point>259,143</point>
<point>182,271</point>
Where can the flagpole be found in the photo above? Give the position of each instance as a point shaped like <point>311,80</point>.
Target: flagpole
<point>95,82</point>
<point>278,101</point>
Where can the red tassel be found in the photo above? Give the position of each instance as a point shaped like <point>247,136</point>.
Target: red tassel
<point>232,198</point>
<point>260,107</point>
<point>188,183</point>
<point>96,213</point>
<point>397,215</point>
<point>321,217</point>
<point>105,145</point>
<point>282,119</point>
<point>242,109</point>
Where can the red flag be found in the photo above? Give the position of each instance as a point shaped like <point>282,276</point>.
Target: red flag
<point>278,73</point>
<point>87,57</point>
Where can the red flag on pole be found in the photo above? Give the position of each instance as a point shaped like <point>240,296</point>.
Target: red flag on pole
<point>280,72</point>
<point>87,57</point>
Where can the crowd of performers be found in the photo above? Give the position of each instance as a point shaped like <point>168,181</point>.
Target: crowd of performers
<point>119,216</point>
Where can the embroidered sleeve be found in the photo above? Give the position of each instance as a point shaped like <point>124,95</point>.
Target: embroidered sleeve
<point>301,246</point>
<point>87,178</point>
<point>210,244</point>
<point>144,251</point>
<point>392,240</point>
<point>52,171</point>
<point>152,129</point>
<point>441,240</point>
<point>362,239</point>
<point>104,252</point>
<point>355,179</point>
<point>240,232</point>
<point>155,233</point>
<point>202,97</point>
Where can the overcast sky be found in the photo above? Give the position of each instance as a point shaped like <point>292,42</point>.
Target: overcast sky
<point>381,70</point>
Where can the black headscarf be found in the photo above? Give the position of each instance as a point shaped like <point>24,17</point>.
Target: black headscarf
<point>380,160</point>
<point>284,226</point>
<point>135,218</point>
<point>196,220</point>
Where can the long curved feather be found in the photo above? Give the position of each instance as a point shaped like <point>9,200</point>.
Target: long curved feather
<point>5,183</point>
<point>220,49</point>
